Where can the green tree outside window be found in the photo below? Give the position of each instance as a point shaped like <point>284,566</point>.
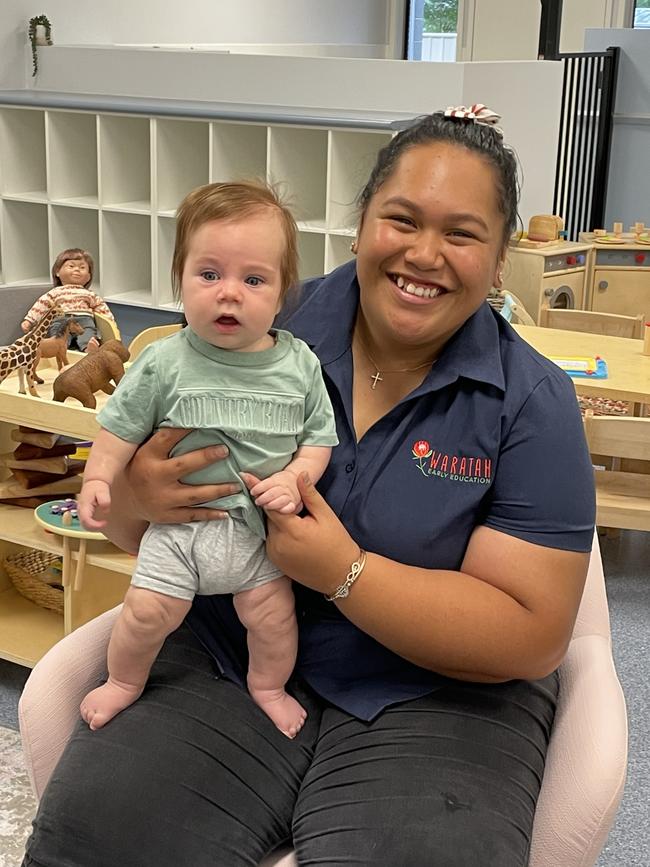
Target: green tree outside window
<point>441,16</point>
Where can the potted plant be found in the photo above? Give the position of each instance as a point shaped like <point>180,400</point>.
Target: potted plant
<point>40,33</point>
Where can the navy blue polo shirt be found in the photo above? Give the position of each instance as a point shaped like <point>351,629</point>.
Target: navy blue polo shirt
<point>493,436</point>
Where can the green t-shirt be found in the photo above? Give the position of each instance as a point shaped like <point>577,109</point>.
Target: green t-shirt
<point>261,405</point>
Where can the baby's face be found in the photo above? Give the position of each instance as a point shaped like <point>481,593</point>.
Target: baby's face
<point>232,280</point>
<point>74,272</point>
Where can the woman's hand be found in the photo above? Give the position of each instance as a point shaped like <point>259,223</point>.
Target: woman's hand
<point>315,550</point>
<point>156,491</point>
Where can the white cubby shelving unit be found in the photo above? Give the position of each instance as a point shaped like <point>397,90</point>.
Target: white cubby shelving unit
<point>107,174</point>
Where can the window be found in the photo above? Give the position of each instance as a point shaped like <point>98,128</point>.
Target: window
<point>432,30</point>
<point>642,14</point>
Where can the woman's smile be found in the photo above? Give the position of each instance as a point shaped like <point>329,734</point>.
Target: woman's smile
<point>416,288</point>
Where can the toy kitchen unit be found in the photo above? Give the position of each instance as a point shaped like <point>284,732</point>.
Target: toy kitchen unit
<point>620,274</point>
<point>549,274</point>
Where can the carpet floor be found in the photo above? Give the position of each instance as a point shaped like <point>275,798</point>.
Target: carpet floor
<point>17,803</point>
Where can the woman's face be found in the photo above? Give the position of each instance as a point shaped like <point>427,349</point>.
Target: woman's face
<point>430,246</point>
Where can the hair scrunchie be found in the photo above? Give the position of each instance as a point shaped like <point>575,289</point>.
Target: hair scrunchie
<point>477,113</point>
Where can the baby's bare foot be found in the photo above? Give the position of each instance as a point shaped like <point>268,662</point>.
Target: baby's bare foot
<point>288,715</point>
<point>105,702</point>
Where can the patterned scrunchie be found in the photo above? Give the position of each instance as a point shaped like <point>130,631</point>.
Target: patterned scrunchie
<point>477,113</point>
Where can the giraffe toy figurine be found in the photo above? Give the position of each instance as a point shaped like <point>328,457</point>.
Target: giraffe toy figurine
<point>22,355</point>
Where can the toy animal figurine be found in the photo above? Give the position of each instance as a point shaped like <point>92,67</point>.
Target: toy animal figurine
<point>56,346</point>
<point>21,355</point>
<point>92,373</point>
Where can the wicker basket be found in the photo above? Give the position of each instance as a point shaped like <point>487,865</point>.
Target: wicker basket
<point>32,576</point>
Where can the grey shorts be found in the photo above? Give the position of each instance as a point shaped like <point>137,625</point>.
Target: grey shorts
<point>207,557</point>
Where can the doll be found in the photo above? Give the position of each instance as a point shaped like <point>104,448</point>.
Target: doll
<point>72,274</point>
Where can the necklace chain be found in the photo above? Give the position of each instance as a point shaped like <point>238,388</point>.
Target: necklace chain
<point>377,375</point>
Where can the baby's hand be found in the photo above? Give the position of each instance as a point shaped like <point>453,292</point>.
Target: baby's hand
<point>94,500</point>
<point>278,493</point>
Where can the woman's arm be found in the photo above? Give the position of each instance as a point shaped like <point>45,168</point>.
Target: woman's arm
<point>508,613</point>
<point>150,490</point>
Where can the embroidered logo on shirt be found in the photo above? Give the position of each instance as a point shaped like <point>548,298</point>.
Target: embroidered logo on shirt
<point>456,468</point>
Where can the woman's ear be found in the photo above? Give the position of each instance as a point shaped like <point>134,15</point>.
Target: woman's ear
<point>498,271</point>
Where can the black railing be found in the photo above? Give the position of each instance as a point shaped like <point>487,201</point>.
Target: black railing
<point>588,94</point>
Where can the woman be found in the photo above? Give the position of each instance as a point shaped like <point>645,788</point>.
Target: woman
<point>438,572</point>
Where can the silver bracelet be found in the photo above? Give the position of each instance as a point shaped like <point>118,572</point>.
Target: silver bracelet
<point>356,569</point>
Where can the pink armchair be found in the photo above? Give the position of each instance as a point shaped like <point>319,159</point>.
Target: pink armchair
<point>586,765</point>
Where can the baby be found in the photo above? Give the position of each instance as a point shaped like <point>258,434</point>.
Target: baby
<point>72,274</point>
<point>232,379</point>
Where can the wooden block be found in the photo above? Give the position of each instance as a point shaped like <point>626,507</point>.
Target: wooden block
<point>41,438</point>
<point>56,465</point>
<point>26,451</point>
<point>67,487</point>
<point>32,478</point>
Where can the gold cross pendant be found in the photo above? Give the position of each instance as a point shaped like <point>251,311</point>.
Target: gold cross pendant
<point>376,377</point>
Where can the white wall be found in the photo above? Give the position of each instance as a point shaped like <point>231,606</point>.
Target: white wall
<point>492,29</point>
<point>502,30</point>
<point>286,21</point>
<point>509,29</point>
<point>578,15</point>
<point>628,188</point>
<point>369,28</point>
<point>13,37</point>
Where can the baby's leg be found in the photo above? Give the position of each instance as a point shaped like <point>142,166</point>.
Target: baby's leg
<point>144,623</point>
<point>268,613</point>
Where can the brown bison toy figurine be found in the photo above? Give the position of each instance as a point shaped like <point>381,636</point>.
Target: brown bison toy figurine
<point>93,373</point>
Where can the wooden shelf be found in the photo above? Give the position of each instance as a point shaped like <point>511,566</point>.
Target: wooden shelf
<point>27,631</point>
<point>70,418</point>
<point>19,527</point>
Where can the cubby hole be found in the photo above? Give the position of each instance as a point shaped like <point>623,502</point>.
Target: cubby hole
<point>238,151</point>
<point>76,227</point>
<point>126,258</point>
<point>125,163</point>
<point>311,248</point>
<point>352,157</point>
<point>182,160</point>
<point>166,238</point>
<point>298,164</point>
<point>337,250</point>
<point>22,154</point>
<point>72,157</point>
<point>25,246</point>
